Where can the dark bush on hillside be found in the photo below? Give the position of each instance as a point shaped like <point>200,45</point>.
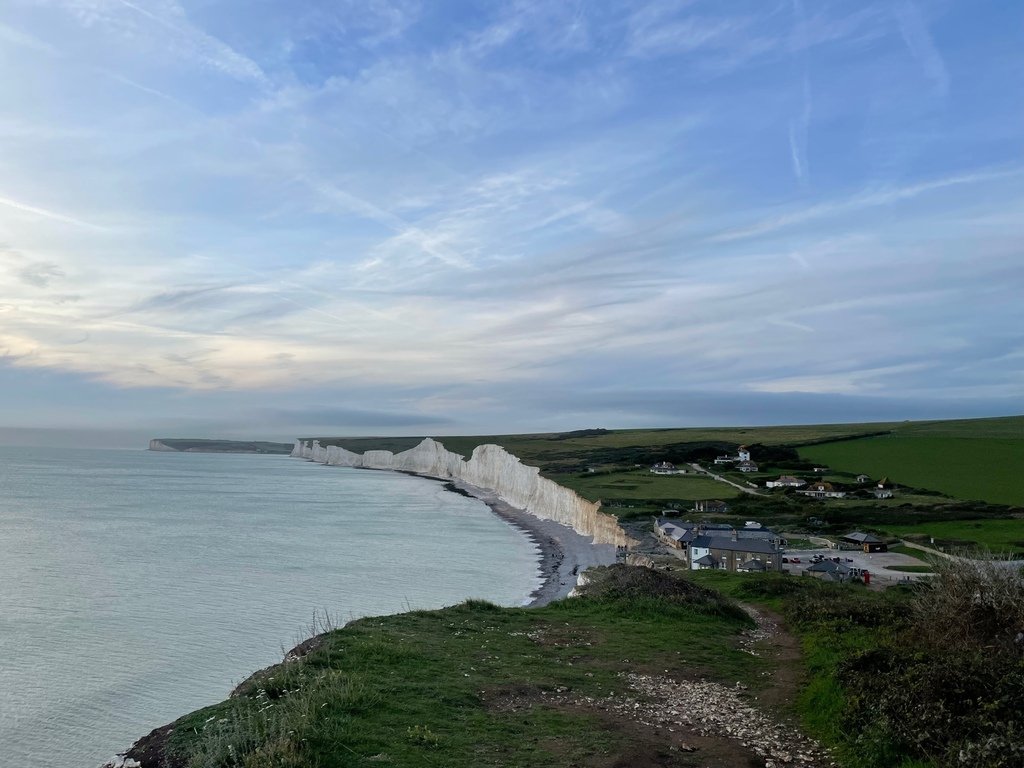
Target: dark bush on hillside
<point>956,708</point>
<point>628,583</point>
<point>972,604</point>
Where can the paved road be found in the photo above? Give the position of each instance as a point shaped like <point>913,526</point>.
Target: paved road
<point>745,488</point>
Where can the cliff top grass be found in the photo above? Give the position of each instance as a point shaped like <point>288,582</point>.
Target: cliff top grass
<point>477,685</point>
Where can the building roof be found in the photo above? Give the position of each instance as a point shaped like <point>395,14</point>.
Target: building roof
<point>764,534</point>
<point>706,526</point>
<point>862,538</point>
<point>740,545</point>
<point>706,560</point>
<point>828,566</point>
<point>751,565</point>
<point>825,487</point>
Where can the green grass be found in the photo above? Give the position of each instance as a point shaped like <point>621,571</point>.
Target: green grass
<point>911,568</point>
<point>472,685</point>
<point>970,468</point>
<point>641,484</point>
<point>994,535</point>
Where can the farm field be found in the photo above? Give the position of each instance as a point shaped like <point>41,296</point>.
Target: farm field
<point>995,535</point>
<point>970,468</point>
<point>642,484</point>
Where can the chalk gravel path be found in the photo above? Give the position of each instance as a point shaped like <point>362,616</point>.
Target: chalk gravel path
<point>708,709</point>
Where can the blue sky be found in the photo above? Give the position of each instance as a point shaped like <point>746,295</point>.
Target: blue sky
<point>269,218</point>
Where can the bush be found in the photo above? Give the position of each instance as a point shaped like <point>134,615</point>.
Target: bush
<point>635,584</point>
<point>972,604</point>
<point>955,708</point>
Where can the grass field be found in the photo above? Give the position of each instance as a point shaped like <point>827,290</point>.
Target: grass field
<point>983,468</point>
<point>641,484</point>
<point>995,535</point>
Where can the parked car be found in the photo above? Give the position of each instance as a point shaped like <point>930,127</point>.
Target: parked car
<point>794,559</point>
<point>785,559</point>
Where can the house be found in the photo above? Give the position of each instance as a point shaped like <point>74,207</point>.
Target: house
<point>884,489</point>
<point>861,479</point>
<point>864,541</point>
<point>786,481</point>
<point>820,470</point>
<point>829,571</point>
<point>752,566</point>
<point>711,507</point>
<point>666,468</point>
<point>730,553</point>
<point>747,466</point>
<point>725,459</point>
<point>743,454</point>
<point>822,490</point>
<point>676,534</point>
<point>761,534</point>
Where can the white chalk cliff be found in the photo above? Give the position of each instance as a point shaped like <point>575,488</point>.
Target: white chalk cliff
<point>490,468</point>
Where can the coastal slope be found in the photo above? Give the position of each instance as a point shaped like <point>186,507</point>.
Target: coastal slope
<point>490,468</point>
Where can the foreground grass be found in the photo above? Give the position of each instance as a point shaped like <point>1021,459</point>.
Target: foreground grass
<point>465,686</point>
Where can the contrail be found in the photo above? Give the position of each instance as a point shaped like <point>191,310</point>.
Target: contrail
<point>53,215</point>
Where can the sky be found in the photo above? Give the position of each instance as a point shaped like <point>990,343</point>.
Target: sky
<point>270,218</point>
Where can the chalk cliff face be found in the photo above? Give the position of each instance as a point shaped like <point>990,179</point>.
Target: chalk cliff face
<point>491,468</point>
<point>156,445</point>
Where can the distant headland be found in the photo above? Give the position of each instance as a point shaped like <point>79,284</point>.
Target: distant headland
<point>188,445</point>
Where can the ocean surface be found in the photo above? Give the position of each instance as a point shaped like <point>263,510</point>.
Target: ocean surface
<point>138,586</point>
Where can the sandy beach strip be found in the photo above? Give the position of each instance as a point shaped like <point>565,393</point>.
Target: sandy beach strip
<point>563,552</point>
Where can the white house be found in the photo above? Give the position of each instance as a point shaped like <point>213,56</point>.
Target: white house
<point>823,490</point>
<point>666,468</point>
<point>786,481</point>
<point>743,454</point>
<point>747,466</point>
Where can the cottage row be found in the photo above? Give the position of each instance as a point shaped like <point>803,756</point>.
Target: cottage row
<point>721,546</point>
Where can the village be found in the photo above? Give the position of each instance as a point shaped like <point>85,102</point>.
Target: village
<point>854,556</point>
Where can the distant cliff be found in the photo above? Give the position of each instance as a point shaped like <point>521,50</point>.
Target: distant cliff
<point>492,468</point>
<point>184,445</point>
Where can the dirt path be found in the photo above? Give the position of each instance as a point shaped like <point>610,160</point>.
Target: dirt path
<point>727,725</point>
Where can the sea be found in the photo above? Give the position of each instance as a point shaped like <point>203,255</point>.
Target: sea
<point>137,586</point>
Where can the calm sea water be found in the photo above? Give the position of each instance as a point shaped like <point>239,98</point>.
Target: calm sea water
<point>137,586</point>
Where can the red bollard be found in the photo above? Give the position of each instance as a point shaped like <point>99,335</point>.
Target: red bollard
<point>867,577</point>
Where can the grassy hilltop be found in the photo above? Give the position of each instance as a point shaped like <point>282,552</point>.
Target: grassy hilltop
<point>648,669</point>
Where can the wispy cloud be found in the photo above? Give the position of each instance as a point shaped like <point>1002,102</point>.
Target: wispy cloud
<point>862,200</point>
<point>434,212</point>
<point>914,30</point>
<point>45,213</point>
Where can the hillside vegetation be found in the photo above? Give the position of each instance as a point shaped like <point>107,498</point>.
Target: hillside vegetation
<point>931,677</point>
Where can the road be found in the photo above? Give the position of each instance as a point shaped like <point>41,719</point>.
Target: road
<point>746,489</point>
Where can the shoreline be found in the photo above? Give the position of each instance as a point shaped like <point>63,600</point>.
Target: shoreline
<point>564,553</point>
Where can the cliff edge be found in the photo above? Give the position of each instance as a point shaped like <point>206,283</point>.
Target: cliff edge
<point>490,468</point>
